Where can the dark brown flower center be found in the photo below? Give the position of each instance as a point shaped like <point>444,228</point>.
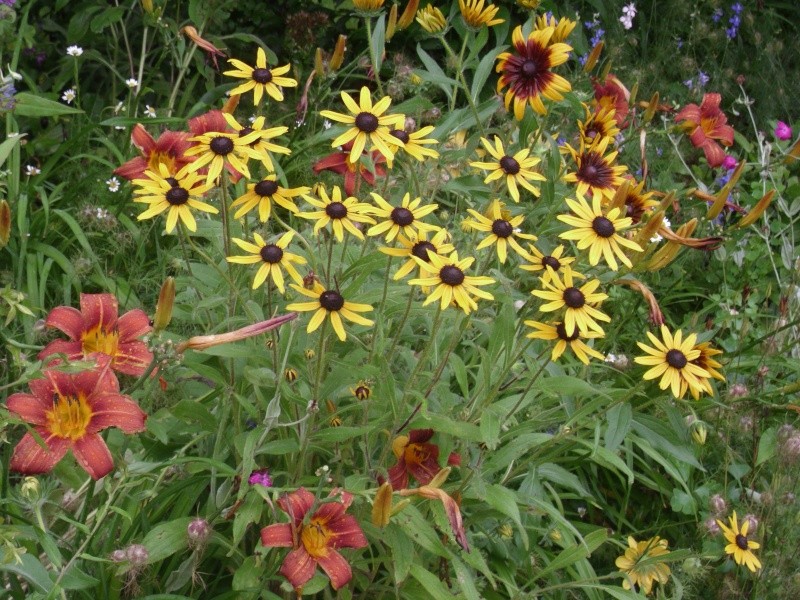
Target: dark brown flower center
<point>271,254</point>
<point>551,261</point>
<point>594,170</point>
<point>502,228</point>
<point>245,131</point>
<point>603,227</point>
<point>451,275</point>
<point>221,145</point>
<point>402,216</point>
<point>562,333</point>
<point>331,300</point>
<point>529,69</point>
<point>421,250</point>
<point>741,542</point>
<point>336,210</point>
<point>267,187</point>
<point>401,135</point>
<point>177,196</point>
<point>589,172</point>
<point>509,165</point>
<point>262,75</point>
<point>366,122</point>
<point>363,392</point>
<point>573,297</point>
<point>676,359</point>
<point>172,181</point>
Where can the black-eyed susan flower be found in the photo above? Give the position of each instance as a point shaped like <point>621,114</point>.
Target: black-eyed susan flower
<point>362,390</point>
<point>503,231</point>
<point>540,261</point>
<point>527,74</point>
<point>636,201</point>
<point>450,282</point>
<point>707,361</point>
<point>556,331</point>
<point>640,566</point>
<point>176,195</point>
<point>563,26</point>
<point>477,13</point>
<point>598,232</point>
<point>672,361</point>
<point>577,303</point>
<point>272,256</point>
<point>263,193</point>
<point>261,146</point>
<point>598,124</point>
<point>739,547</point>
<point>369,124</point>
<point>419,246</point>
<point>415,143</point>
<point>290,374</point>
<point>596,173</point>
<point>431,19</point>
<point>405,219</point>
<point>332,304</point>
<point>261,79</point>
<point>342,214</point>
<point>216,149</point>
<point>516,169</point>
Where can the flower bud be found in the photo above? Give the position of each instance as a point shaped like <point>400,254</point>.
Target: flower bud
<point>711,526</point>
<point>337,58</point>
<point>147,6</point>
<point>594,55</point>
<point>699,432</point>
<point>137,554</point>
<point>5,223</point>
<point>166,301</point>
<point>506,531</point>
<point>738,390</point>
<point>119,556</point>
<point>791,449</point>
<point>198,531</point>
<point>717,504</point>
<point>382,506</point>
<point>391,23</point>
<point>290,374</point>
<point>30,489</point>
<point>752,523</point>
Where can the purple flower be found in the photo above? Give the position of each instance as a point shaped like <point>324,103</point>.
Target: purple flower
<point>679,43</point>
<point>659,151</point>
<point>689,83</point>
<point>583,58</point>
<point>731,32</point>
<point>260,477</point>
<point>702,79</point>
<point>7,91</point>
<point>729,163</point>
<point>737,8</point>
<point>8,2</point>
<point>717,16</point>
<point>598,35</point>
<point>783,131</point>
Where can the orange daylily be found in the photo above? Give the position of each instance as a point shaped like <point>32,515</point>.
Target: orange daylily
<point>707,127</point>
<point>167,150</point>
<point>416,457</point>
<point>339,162</point>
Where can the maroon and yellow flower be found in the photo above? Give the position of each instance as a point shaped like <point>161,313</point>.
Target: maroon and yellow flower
<point>540,261</point>
<point>96,329</point>
<point>596,173</point>
<point>527,71</point>
<point>613,94</point>
<point>707,127</point>
<point>415,457</point>
<point>556,331</point>
<point>263,193</point>
<point>67,411</point>
<point>167,150</point>
<point>315,538</point>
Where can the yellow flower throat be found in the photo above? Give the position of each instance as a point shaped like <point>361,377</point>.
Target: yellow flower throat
<point>97,340</point>
<point>70,416</point>
<point>315,537</point>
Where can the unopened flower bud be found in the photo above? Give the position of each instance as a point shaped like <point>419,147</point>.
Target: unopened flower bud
<point>5,223</point>
<point>382,506</point>
<point>717,504</point>
<point>791,449</point>
<point>738,390</point>
<point>30,489</point>
<point>166,301</point>
<point>506,531</point>
<point>711,526</point>
<point>786,431</point>
<point>746,423</point>
<point>198,531</point>
<point>699,432</point>
<point>555,535</point>
<point>752,522</point>
<point>137,554</point>
<point>119,556</point>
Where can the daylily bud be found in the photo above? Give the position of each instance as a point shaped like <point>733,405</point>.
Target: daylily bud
<point>382,506</point>
<point>319,63</point>
<point>166,301</point>
<point>758,209</point>
<point>202,342</point>
<point>337,58</point>
<point>231,103</point>
<point>594,55</point>
<point>5,223</point>
<point>439,479</point>
<point>651,108</point>
<point>147,6</point>
<point>391,23</point>
<point>722,195</point>
<point>408,14</point>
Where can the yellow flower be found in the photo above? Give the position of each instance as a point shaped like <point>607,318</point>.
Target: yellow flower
<point>672,360</point>
<point>556,331</point>
<point>707,362</point>
<point>527,71</point>
<point>476,15</point>
<point>215,149</point>
<point>563,26</point>
<point>261,78</point>
<point>516,169</point>
<point>541,262</point>
<point>260,145</point>
<point>332,304</point>
<point>452,284</point>
<point>420,247</point>
<point>272,257</point>
<point>368,4</point>
<point>739,547</point>
<point>263,194</point>
<point>174,194</point>
<point>343,214</point>
<point>431,19</point>
<point>502,231</point>
<point>403,219</point>
<point>637,203</point>
<point>368,124</point>
<point>598,124</point>
<point>415,143</point>
<point>598,232</point>
<point>639,566</point>
<point>362,391</point>
<point>577,302</point>
<point>596,174</point>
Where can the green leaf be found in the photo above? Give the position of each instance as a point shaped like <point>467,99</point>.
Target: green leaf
<point>465,580</point>
<point>30,569</point>
<point>504,501</point>
<point>443,424</point>
<point>31,105</point>
<point>339,434</point>
<point>8,145</point>
<point>434,73</point>
<point>490,428</point>
<point>166,539</point>
<point>378,42</point>
<point>431,583</point>
<point>249,512</point>
<point>75,579</point>
<point>402,551</point>
<point>767,445</point>
<point>248,576</point>
<point>619,419</point>
<point>482,73</point>
<point>107,17</point>
<point>577,552</point>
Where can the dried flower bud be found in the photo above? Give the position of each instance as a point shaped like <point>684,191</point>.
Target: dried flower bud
<point>786,431</point>
<point>5,223</point>
<point>738,390</point>
<point>788,498</point>
<point>791,449</point>
<point>752,522</point>
<point>309,353</point>
<point>119,556</point>
<point>290,374</point>
<point>137,554</point>
<point>746,423</point>
<point>198,531</point>
<point>711,526</point>
<point>717,504</point>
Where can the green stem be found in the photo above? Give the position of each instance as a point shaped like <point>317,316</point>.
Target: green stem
<point>400,326</point>
<point>308,425</point>
<point>527,388</point>
<point>460,77</point>
<point>424,356</point>
<point>380,309</point>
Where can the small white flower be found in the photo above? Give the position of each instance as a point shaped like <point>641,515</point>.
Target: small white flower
<point>31,170</point>
<point>74,50</point>
<point>657,238</point>
<point>69,95</point>
<point>119,107</point>
<point>131,83</point>
<point>150,111</point>
<point>627,22</point>
<point>327,124</point>
<point>113,184</point>
<point>629,10</point>
<point>251,119</point>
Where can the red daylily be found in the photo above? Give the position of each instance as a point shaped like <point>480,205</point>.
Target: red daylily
<point>214,121</point>
<point>167,150</point>
<point>415,457</point>
<point>68,411</point>
<point>339,162</point>
<point>612,94</point>
<point>315,538</point>
<point>95,328</point>
<point>707,124</point>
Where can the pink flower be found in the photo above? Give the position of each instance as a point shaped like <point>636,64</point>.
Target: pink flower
<point>783,131</point>
<point>729,163</point>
